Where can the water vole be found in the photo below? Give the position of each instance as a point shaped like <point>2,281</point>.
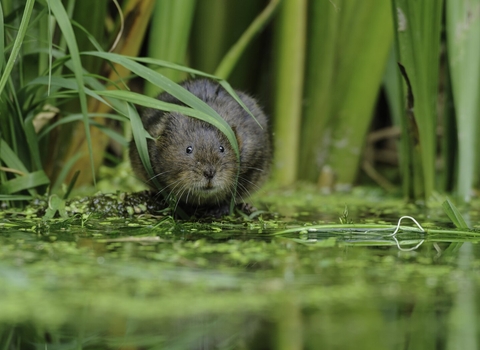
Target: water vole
<point>194,161</point>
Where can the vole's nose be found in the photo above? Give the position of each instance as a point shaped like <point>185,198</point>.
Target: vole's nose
<point>209,173</point>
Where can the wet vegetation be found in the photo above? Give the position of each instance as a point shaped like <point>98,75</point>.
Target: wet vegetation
<point>321,275</point>
<point>353,242</point>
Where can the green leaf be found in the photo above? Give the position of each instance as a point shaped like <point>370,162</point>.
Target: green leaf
<point>418,32</point>
<point>169,35</point>
<point>347,54</point>
<point>28,181</point>
<point>65,25</point>
<point>463,36</point>
<point>22,29</point>
<point>2,40</point>
<point>151,102</point>
<point>175,90</point>
<point>454,215</point>
<point>290,44</point>
<point>10,158</point>
<point>233,55</point>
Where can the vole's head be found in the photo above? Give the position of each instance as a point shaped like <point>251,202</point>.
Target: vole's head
<point>194,161</point>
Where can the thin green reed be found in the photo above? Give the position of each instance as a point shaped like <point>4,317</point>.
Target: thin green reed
<point>418,30</point>
<point>22,29</point>
<point>348,47</point>
<point>321,55</point>
<point>289,72</point>
<point>463,38</point>
<point>169,36</point>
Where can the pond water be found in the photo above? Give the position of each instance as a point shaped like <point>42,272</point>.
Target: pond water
<point>144,283</point>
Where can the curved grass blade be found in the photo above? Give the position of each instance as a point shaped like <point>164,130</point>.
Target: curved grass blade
<point>71,84</point>
<point>14,197</point>
<point>22,29</point>
<point>151,102</point>
<point>2,39</point>
<point>463,35</point>
<point>170,30</point>
<point>290,47</point>
<point>71,185</point>
<point>111,134</point>
<point>28,181</point>
<point>418,47</point>
<point>32,141</point>
<point>454,215</point>
<point>175,90</point>
<point>10,158</point>
<point>75,117</point>
<point>138,133</point>
<point>66,27</point>
<point>222,82</point>
<point>64,172</point>
<point>170,65</point>
<point>233,55</point>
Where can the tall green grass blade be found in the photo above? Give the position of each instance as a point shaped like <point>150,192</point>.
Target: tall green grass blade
<point>2,39</point>
<point>173,89</point>
<point>454,214</point>
<point>289,70</point>
<point>169,34</point>
<point>10,158</point>
<point>208,43</point>
<point>175,66</point>
<point>231,58</point>
<point>151,102</point>
<point>396,101</point>
<point>71,185</point>
<point>365,39</point>
<point>14,197</point>
<point>139,133</point>
<point>90,35</point>
<point>32,141</point>
<point>194,72</point>
<point>73,118</point>
<point>113,135</point>
<point>463,34</point>
<point>22,29</point>
<point>68,166</point>
<point>450,137</point>
<point>418,30</point>
<point>65,25</point>
<point>324,24</point>
<point>67,83</point>
<point>348,50</point>
<point>28,181</point>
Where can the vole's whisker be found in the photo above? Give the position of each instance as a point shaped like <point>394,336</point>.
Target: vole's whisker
<point>254,185</point>
<point>254,168</point>
<point>159,174</point>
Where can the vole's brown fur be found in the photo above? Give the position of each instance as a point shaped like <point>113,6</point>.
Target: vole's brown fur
<point>194,161</point>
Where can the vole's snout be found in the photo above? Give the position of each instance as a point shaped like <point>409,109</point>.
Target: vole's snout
<point>209,173</point>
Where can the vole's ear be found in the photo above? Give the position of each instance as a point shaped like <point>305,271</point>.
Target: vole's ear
<point>152,122</point>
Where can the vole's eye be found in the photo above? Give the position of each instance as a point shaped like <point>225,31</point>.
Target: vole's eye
<point>221,149</point>
<point>189,149</point>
